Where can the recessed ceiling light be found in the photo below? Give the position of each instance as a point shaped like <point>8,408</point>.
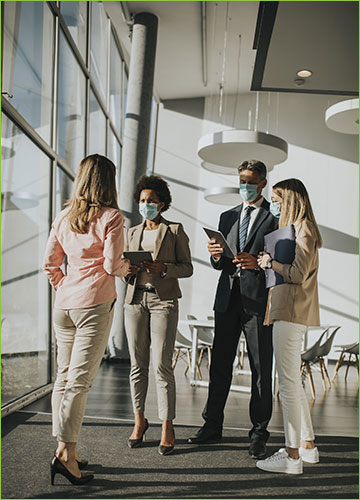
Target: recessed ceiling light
<point>304,73</point>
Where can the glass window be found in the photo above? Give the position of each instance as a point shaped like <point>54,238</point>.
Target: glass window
<point>115,85</point>
<point>75,17</point>
<point>97,136</point>
<point>64,186</point>
<point>99,48</point>
<point>114,153</point>
<point>71,106</point>
<point>125,86</point>
<point>25,290</point>
<point>28,62</point>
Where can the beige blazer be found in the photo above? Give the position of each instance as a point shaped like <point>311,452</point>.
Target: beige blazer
<point>297,300</point>
<point>172,248</point>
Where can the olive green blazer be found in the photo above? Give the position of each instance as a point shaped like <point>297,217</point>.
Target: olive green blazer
<point>172,248</point>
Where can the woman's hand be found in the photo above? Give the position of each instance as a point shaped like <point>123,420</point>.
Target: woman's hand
<point>154,267</point>
<point>245,260</point>
<point>132,270</point>
<point>263,259</point>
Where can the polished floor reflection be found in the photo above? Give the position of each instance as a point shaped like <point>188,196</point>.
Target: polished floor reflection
<point>334,412</point>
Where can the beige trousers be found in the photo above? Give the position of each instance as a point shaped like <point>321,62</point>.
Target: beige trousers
<point>151,321</point>
<point>81,337</point>
<point>287,341</point>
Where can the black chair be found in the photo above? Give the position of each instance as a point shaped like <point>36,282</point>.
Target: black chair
<point>350,350</point>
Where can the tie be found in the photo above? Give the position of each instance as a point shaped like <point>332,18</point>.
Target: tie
<point>244,227</point>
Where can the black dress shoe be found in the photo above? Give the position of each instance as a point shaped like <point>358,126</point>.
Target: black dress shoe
<point>56,467</point>
<point>135,443</point>
<point>257,449</point>
<point>205,435</point>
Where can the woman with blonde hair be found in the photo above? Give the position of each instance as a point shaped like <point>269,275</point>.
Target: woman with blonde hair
<point>292,307</point>
<point>89,234</point>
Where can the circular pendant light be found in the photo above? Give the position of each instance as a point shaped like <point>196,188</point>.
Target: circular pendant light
<point>343,116</point>
<point>229,148</point>
<point>223,196</point>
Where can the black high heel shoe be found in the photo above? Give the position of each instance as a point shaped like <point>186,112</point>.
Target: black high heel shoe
<point>135,443</point>
<point>82,464</point>
<point>166,450</point>
<point>56,467</point>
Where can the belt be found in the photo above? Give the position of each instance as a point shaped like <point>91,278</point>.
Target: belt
<point>146,289</point>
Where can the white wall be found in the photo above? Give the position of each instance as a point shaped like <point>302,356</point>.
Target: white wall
<point>324,160</point>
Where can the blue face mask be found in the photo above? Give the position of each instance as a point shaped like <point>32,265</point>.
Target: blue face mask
<point>275,209</point>
<point>248,192</point>
<point>148,210</point>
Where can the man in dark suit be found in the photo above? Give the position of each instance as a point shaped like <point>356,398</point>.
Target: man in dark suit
<point>240,305</point>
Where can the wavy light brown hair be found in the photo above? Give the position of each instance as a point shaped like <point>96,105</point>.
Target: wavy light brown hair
<point>295,205</point>
<point>95,188</point>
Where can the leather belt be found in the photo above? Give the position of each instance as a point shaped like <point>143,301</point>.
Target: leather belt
<point>146,289</point>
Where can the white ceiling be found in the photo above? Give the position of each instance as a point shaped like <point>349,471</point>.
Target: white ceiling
<point>178,70</point>
<point>321,36</point>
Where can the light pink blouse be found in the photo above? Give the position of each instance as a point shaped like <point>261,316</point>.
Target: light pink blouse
<point>93,260</point>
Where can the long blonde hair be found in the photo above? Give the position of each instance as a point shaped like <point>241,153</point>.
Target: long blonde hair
<point>295,205</point>
<point>95,188</point>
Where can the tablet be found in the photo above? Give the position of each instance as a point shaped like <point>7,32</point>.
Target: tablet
<point>220,238</point>
<point>138,256</point>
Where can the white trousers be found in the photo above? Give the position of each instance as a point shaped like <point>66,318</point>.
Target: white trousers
<point>287,340</point>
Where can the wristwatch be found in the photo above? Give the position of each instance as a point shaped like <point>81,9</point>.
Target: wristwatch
<point>269,264</point>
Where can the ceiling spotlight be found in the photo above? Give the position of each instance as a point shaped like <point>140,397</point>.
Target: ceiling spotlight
<point>304,73</point>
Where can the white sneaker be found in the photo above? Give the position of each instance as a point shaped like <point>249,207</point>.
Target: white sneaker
<point>309,456</point>
<point>281,462</point>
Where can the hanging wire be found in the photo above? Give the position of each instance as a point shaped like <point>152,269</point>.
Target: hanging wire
<point>256,112</point>
<point>222,83</point>
<point>237,84</point>
<point>268,114</point>
<point>277,111</point>
<point>212,92</point>
<point>249,119</point>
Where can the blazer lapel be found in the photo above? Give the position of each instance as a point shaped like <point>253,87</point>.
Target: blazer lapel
<point>233,235</point>
<point>163,227</point>
<point>136,239</point>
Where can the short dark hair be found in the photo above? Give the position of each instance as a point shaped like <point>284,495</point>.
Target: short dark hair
<point>255,166</point>
<point>157,184</point>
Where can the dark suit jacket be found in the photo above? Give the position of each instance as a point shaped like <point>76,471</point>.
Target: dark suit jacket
<point>252,282</point>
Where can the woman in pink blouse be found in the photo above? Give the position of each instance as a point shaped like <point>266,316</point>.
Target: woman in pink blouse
<point>89,233</point>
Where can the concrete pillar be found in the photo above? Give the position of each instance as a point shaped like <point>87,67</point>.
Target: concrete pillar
<point>135,147</point>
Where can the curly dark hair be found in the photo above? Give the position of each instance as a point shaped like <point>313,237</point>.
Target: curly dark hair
<point>157,184</point>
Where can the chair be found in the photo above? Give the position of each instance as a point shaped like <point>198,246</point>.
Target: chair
<point>310,356</point>
<point>205,340</point>
<point>316,354</point>
<point>351,350</point>
<point>183,346</point>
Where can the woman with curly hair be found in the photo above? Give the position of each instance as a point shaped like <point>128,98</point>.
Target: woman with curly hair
<point>151,306</point>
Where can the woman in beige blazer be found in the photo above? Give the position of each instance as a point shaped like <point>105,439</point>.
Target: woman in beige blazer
<point>292,307</point>
<point>151,306</point>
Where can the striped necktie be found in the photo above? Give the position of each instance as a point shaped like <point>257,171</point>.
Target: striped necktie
<point>244,227</point>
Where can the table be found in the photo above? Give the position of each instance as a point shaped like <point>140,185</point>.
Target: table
<point>207,324</point>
